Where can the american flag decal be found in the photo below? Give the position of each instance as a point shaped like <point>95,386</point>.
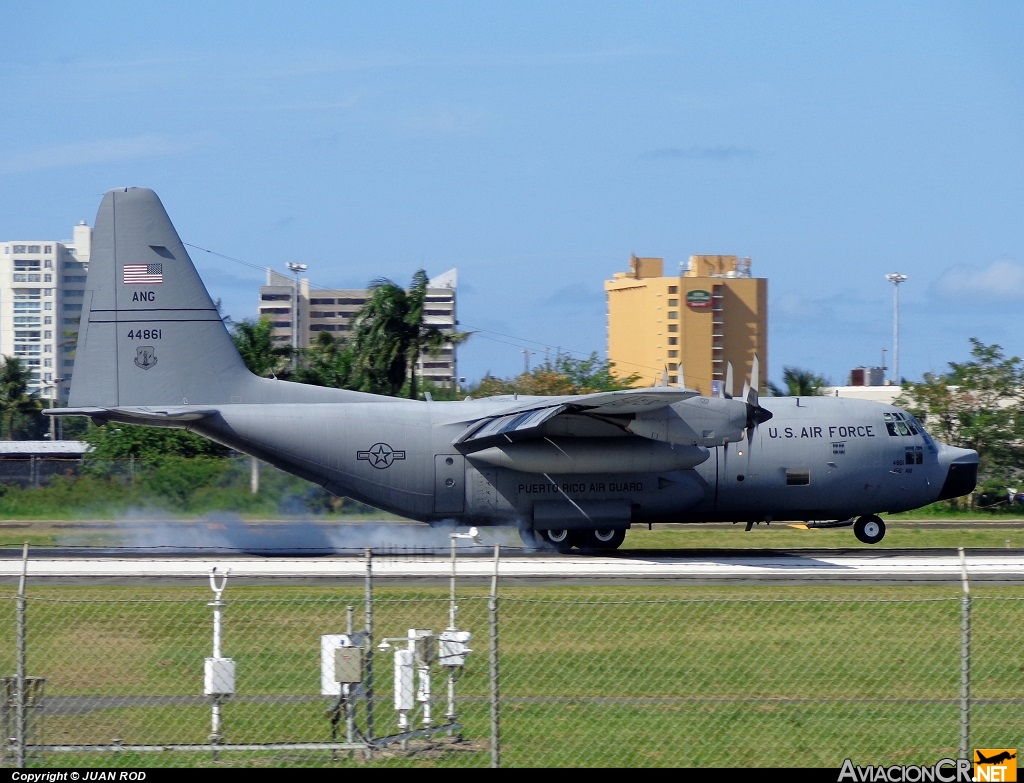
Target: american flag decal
<point>143,274</point>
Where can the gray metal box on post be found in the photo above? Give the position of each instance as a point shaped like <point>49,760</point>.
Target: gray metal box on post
<point>348,665</point>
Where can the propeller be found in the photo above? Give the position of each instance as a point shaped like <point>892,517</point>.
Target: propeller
<point>756,414</point>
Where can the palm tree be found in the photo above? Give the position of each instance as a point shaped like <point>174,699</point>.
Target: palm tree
<point>15,401</point>
<point>328,362</point>
<point>798,383</point>
<point>255,342</point>
<point>390,334</point>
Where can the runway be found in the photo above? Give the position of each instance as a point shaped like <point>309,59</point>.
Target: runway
<point>793,567</point>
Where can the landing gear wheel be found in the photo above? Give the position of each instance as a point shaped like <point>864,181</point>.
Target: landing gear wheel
<point>563,540</point>
<point>869,529</point>
<point>530,538</point>
<point>604,538</point>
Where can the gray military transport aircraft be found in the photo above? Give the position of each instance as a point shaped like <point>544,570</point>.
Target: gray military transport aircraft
<point>568,471</point>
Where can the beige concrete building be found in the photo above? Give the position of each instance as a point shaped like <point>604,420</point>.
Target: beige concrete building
<point>42,289</point>
<point>689,326</point>
<point>331,310</point>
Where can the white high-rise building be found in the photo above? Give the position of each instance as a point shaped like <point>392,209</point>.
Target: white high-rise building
<point>42,287</point>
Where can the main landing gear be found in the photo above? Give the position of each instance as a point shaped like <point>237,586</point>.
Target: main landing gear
<point>564,540</point>
<point>869,529</point>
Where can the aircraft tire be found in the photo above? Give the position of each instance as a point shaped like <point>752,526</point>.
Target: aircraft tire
<point>530,538</point>
<point>562,540</point>
<point>869,529</point>
<point>604,538</point>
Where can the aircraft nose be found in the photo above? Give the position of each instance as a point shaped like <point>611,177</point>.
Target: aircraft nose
<point>961,473</point>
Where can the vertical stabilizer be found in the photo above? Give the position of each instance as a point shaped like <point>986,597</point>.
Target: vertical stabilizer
<point>149,334</point>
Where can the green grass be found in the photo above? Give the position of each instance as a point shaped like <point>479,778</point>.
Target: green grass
<point>591,676</point>
<point>902,533</point>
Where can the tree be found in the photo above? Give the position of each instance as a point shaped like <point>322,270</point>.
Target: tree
<point>390,334</point>
<point>978,404</point>
<point>19,410</point>
<point>255,342</point>
<point>328,362</point>
<point>798,383</point>
<point>149,444</point>
<point>564,375</point>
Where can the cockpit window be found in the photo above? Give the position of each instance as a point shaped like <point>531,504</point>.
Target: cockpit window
<point>918,427</point>
<point>901,424</point>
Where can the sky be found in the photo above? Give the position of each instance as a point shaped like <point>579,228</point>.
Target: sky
<point>535,146</point>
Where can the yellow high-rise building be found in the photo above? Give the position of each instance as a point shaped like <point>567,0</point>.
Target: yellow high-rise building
<point>692,326</point>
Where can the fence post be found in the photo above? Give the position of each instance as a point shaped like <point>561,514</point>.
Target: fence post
<point>369,643</point>
<point>492,612</point>
<point>965,659</point>
<point>21,714</point>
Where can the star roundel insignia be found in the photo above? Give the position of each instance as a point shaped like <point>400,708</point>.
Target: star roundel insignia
<point>380,455</point>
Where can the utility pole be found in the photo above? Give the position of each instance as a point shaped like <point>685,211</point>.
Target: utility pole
<point>54,390</point>
<point>896,278</point>
<point>296,269</point>
<point>526,360</point>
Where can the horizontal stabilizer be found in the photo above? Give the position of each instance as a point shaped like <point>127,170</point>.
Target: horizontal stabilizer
<point>178,413</point>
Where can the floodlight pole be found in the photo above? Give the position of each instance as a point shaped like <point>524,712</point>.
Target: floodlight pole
<point>296,269</point>
<point>896,278</point>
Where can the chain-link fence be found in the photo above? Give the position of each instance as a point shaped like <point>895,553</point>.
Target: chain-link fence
<point>601,676</point>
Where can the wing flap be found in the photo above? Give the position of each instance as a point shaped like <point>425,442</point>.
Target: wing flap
<point>507,428</point>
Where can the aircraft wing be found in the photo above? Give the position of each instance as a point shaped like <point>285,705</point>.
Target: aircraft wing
<point>523,418</point>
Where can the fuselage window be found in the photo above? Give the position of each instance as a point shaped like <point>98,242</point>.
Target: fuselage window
<point>797,477</point>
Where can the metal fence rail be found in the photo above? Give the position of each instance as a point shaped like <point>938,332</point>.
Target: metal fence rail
<point>607,677</point>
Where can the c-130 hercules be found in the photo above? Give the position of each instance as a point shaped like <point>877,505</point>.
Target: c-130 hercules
<point>574,470</point>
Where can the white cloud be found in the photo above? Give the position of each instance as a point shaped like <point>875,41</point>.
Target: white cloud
<point>1002,280</point>
<point>85,153</point>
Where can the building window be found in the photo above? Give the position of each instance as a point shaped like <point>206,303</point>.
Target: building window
<point>673,303</point>
<point>673,314</point>
<point>673,341</point>
<point>673,354</point>
<point>673,327</point>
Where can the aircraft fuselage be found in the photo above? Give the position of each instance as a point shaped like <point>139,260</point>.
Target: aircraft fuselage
<point>818,458</point>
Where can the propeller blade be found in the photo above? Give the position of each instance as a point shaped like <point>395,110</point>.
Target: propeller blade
<point>728,381</point>
<point>755,413</point>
